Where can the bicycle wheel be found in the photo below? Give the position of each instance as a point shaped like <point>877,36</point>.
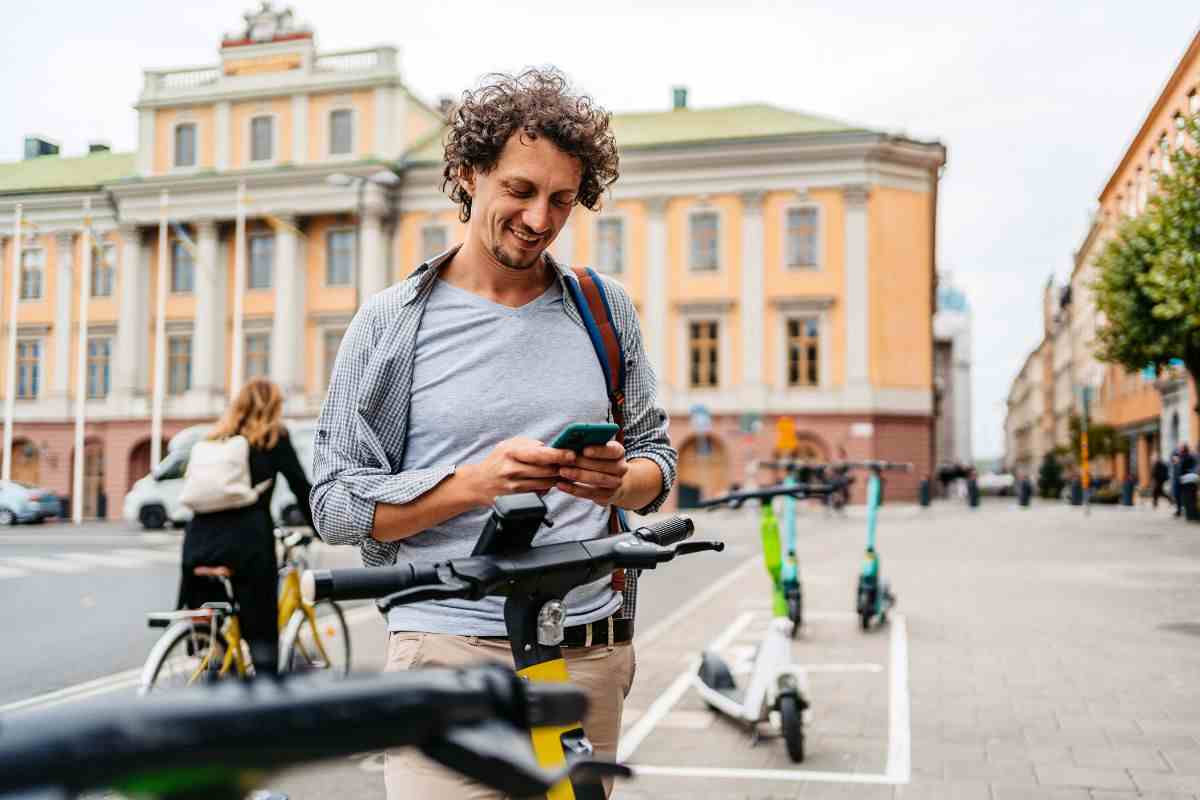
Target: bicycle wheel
<point>321,648</point>
<point>177,660</point>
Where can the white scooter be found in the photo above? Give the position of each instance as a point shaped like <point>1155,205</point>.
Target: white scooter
<point>778,689</point>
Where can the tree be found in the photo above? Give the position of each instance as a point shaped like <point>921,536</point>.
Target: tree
<point>1148,287</point>
<point>1050,477</point>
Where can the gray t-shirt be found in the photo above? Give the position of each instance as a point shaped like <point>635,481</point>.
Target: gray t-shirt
<point>484,373</point>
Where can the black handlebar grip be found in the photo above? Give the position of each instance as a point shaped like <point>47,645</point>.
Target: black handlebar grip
<point>365,583</point>
<point>669,531</point>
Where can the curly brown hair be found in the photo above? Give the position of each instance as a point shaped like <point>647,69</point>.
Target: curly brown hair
<point>536,102</point>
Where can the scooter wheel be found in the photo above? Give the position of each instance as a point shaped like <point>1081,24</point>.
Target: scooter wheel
<point>865,620</point>
<point>793,726</point>
<point>795,606</point>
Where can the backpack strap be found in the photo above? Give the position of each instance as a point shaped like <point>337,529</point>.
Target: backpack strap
<point>592,303</point>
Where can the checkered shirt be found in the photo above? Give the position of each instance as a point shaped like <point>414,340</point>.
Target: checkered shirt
<point>363,424</point>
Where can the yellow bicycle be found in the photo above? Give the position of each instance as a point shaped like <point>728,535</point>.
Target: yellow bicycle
<point>206,644</point>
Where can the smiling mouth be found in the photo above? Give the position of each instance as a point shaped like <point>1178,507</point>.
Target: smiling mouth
<point>525,240</point>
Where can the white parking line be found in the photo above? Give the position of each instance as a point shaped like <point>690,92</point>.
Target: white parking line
<point>764,774</point>
<point>106,560</point>
<point>148,554</point>
<point>672,620</point>
<point>899,763</point>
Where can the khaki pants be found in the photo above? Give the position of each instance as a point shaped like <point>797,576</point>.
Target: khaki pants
<point>604,672</point>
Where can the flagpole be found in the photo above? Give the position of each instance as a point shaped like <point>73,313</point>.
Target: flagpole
<point>160,335</point>
<point>239,290</point>
<point>85,290</point>
<point>14,278</point>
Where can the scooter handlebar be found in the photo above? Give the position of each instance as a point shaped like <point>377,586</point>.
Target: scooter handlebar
<point>668,532</point>
<point>366,583</point>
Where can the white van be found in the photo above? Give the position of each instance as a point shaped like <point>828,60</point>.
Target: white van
<point>154,499</point>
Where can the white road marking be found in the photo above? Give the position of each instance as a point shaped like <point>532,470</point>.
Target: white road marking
<point>686,610</point>
<point>105,560</point>
<point>12,572</point>
<point>148,554</point>
<point>764,774</point>
<point>662,706</point>
<point>899,763</point>
<point>39,564</point>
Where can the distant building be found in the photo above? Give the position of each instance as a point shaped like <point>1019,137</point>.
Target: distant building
<point>952,325</point>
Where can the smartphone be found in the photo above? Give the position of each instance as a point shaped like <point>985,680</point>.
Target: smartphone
<point>579,435</point>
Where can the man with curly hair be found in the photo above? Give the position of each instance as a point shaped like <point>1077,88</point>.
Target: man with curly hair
<point>448,385</point>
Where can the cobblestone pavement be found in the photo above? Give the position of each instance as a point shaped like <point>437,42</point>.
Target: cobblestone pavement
<point>1049,655</point>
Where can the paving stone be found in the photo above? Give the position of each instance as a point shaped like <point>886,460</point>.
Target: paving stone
<point>1147,781</point>
<point>944,790</point>
<point>1086,777</point>
<point>1006,772</point>
<point>1125,757</point>
<point>1010,792</point>
<point>1185,762</point>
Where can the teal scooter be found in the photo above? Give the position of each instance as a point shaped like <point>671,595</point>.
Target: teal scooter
<point>874,596</point>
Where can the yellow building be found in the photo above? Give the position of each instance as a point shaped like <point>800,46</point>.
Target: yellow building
<point>782,263</point>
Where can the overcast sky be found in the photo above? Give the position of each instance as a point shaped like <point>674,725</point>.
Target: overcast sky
<point>1035,104</point>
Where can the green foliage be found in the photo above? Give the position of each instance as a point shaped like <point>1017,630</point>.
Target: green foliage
<point>1148,285</point>
<point>1050,477</point>
<point>1102,439</point>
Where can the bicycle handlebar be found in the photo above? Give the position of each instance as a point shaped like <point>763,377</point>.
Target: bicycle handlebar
<point>159,747</point>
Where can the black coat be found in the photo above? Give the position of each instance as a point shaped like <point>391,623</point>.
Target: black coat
<point>243,540</point>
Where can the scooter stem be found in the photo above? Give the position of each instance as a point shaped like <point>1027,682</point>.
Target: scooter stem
<point>872,508</point>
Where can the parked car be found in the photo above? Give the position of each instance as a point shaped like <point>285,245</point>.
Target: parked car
<point>154,499</point>
<point>20,502</point>
<point>1001,483</point>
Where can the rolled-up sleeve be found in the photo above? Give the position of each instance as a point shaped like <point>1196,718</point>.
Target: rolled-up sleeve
<point>646,423</point>
<point>352,469</point>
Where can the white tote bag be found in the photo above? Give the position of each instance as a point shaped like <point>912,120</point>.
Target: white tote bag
<point>218,476</point>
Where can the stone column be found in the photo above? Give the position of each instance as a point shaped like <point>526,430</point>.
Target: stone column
<point>223,133</point>
<point>858,299</point>
<point>287,332</point>
<point>658,293</point>
<point>372,265</point>
<point>208,334</point>
<point>64,302</point>
<point>300,132</point>
<point>133,337</point>
<point>753,303</point>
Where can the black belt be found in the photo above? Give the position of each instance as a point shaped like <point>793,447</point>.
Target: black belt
<point>601,632</point>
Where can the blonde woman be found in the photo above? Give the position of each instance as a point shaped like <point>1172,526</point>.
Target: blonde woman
<point>242,538</point>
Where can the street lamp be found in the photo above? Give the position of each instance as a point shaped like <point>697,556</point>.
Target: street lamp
<point>384,178</point>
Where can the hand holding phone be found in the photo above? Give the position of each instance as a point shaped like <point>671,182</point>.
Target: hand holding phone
<point>579,435</point>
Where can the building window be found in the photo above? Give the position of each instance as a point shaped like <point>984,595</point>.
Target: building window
<point>802,238</point>
<point>610,245</point>
<point>703,346</point>
<point>1193,102</point>
<point>262,260</point>
<point>330,342</point>
<point>433,241</point>
<point>258,355</point>
<point>185,145</point>
<point>183,268</point>
<point>341,132</point>
<point>98,369</point>
<point>704,237</point>
<point>179,364</point>
<point>803,352</point>
<point>32,262</point>
<point>339,258</point>
<point>262,139</point>
<point>1180,130</point>
<point>29,368</point>
<point>103,267</point>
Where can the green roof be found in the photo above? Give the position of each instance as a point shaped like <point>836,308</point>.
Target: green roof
<point>694,126</point>
<point>53,173</point>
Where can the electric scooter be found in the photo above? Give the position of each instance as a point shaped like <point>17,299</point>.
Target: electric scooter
<point>874,597</point>
<point>776,683</point>
<point>533,581</point>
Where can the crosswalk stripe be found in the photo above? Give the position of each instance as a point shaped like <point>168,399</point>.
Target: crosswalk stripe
<point>12,572</point>
<point>146,554</point>
<point>106,559</point>
<point>39,564</point>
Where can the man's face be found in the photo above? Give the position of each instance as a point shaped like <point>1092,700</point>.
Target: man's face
<point>520,206</point>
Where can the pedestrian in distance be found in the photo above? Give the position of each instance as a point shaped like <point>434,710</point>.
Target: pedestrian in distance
<point>1176,474</point>
<point>242,538</point>
<point>1159,473</point>
<point>448,384</point>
